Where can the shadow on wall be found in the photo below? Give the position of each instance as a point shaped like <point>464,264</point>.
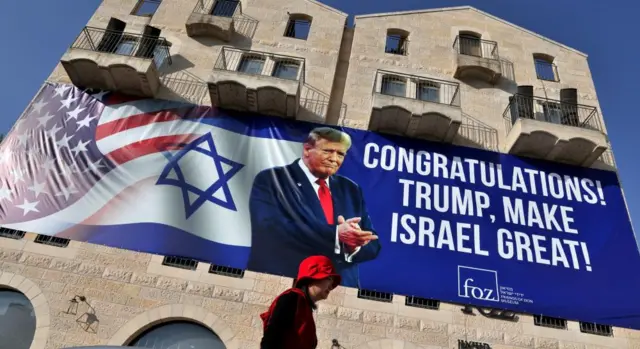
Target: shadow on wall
<point>180,84</point>
<point>244,30</point>
<point>315,107</point>
<point>476,134</point>
<point>506,83</point>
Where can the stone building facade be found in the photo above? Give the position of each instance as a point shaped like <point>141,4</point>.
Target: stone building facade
<point>380,75</point>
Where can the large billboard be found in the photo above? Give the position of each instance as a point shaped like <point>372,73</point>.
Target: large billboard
<point>254,192</point>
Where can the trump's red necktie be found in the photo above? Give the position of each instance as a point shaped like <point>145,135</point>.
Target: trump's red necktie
<point>325,200</point>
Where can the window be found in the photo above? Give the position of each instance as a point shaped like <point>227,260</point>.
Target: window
<point>225,8</point>
<point>545,69</point>
<point>51,241</point>
<point>600,330</point>
<point>126,46</point>
<point>428,91</point>
<point>394,86</point>
<point>251,65</point>
<point>11,234</point>
<point>552,112</point>
<point>160,54</point>
<point>146,8</point>
<point>298,26</point>
<point>470,44</point>
<point>226,271</point>
<point>397,42</point>
<point>180,262</point>
<point>375,295</point>
<point>548,321</point>
<point>286,70</point>
<point>422,303</point>
<point>17,320</point>
<point>178,334</point>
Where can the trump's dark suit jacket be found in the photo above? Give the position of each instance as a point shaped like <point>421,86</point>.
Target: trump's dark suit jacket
<point>288,224</point>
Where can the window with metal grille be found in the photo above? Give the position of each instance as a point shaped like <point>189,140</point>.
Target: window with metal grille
<point>393,86</point>
<point>226,271</point>
<point>298,26</point>
<point>397,42</point>
<point>600,330</point>
<point>51,241</point>
<point>425,303</point>
<point>286,69</point>
<point>251,64</point>
<point>548,321</point>
<point>428,91</point>
<point>180,262</point>
<point>11,233</point>
<point>146,8</point>
<point>375,295</point>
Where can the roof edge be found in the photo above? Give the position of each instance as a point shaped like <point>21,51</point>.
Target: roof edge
<point>327,7</point>
<point>458,8</point>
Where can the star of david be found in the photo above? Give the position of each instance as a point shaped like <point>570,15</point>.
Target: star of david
<point>173,175</point>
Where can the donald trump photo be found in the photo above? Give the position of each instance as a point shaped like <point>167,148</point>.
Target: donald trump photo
<point>306,209</point>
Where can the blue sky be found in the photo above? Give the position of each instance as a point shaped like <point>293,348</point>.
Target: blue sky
<point>36,33</point>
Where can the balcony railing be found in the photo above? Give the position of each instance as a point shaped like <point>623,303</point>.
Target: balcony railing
<point>220,8</point>
<point>261,63</point>
<point>471,46</point>
<point>553,111</point>
<point>123,43</point>
<point>417,87</point>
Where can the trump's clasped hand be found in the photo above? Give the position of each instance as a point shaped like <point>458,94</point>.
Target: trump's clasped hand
<point>350,234</point>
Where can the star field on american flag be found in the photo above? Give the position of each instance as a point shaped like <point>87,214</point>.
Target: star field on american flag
<point>50,159</point>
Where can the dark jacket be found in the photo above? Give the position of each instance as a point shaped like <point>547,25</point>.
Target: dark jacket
<point>289,322</point>
<point>288,223</point>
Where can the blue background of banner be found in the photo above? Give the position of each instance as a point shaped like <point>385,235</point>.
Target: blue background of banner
<point>605,295</point>
<point>414,270</point>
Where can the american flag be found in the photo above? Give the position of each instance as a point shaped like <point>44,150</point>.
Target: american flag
<point>68,139</point>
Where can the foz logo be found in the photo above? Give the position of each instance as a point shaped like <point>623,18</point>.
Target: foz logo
<point>478,283</point>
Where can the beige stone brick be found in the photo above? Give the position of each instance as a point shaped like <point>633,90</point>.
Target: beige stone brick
<point>518,340</point>
<point>200,289</point>
<point>12,267</point>
<point>171,284</point>
<point>89,269</point>
<point>217,306</point>
<point>349,314</point>
<point>33,272</point>
<point>117,274</point>
<point>159,295</point>
<point>546,343</point>
<point>191,300</point>
<point>35,260</point>
<point>350,326</point>
<point>370,317</point>
<point>406,323</point>
<point>65,265</point>
<point>490,336</point>
<point>144,279</point>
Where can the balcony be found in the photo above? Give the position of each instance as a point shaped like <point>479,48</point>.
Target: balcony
<point>477,59</point>
<point>415,106</point>
<point>215,18</point>
<point>259,82</point>
<point>116,61</point>
<point>554,130</point>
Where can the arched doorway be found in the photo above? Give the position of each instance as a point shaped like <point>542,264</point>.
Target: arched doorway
<point>178,334</point>
<point>17,320</point>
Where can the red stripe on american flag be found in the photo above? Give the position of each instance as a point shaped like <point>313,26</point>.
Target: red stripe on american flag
<point>115,126</point>
<point>149,146</point>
